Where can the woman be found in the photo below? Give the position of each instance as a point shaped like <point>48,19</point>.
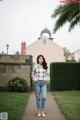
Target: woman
<point>39,76</point>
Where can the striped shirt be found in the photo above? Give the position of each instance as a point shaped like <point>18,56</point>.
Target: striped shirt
<point>39,73</point>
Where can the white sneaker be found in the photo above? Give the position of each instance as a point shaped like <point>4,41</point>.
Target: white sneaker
<point>39,114</point>
<point>43,114</point>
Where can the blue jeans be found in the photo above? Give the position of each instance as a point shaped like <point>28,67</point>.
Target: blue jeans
<point>40,91</point>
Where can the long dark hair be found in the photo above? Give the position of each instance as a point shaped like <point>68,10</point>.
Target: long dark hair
<point>44,61</point>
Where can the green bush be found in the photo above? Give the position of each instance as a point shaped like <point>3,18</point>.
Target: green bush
<point>17,84</point>
<point>72,60</point>
<point>2,88</point>
<point>65,76</point>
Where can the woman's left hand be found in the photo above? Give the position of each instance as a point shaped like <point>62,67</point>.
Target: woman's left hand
<point>44,80</point>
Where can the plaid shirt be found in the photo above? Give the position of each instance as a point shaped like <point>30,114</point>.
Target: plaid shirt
<point>39,73</point>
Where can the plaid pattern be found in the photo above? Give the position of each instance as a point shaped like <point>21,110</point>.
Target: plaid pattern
<point>39,73</point>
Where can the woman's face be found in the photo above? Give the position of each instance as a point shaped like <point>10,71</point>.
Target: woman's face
<point>40,60</point>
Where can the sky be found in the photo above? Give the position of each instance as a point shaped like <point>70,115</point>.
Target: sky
<point>23,20</point>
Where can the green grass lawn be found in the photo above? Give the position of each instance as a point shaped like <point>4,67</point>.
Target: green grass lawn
<point>14,104</point>
<point>69,102</point>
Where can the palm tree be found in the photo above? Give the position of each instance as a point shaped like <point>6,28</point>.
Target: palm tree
<point>67,13</point>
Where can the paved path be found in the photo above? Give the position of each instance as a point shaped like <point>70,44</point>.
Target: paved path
<point>52,110</point>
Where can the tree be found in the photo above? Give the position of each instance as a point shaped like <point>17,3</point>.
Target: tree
<point>66,13</point>
<point>17,53</point>
<point>69,1</point>
<point>67,53</point>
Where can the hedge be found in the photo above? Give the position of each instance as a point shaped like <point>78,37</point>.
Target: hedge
<point>65,76</point>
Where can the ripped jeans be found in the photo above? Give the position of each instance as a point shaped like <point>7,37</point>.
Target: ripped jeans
<point>40,91</point>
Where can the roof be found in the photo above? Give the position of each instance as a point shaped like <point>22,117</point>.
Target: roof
<point>45,38</point>
<point>77,51</point>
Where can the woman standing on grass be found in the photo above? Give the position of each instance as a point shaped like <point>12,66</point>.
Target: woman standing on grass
<point>39,76</point>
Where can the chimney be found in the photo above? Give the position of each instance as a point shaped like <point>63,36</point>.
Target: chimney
<point>23,48</point>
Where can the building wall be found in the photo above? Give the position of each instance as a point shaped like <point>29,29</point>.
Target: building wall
<point>51,51</point>
<point>15,65</point>
<point>77,55</point>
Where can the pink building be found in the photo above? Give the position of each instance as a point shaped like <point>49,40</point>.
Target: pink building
<point>47,47</point>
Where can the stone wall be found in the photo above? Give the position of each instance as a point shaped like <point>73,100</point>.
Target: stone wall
<point>15,65</point>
